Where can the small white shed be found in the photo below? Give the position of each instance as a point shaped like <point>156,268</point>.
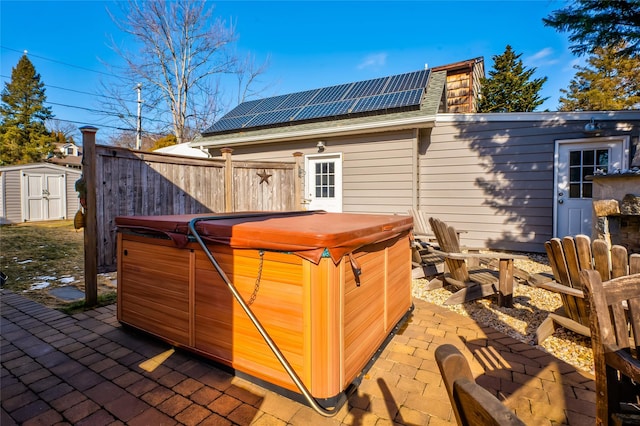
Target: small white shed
<point>37,192</point>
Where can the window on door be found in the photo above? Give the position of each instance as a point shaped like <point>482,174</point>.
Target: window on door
<point>325,185</point>
<point>583,163</point>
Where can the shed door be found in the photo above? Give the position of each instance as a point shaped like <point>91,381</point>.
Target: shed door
<point>323,183</point>
<point>575,160</point>
<point>43,196</point>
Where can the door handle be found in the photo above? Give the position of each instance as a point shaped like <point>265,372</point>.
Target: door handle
<point>560,201</point>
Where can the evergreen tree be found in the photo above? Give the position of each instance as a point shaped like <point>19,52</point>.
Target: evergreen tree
<point>509,87</point>
<point>610,82</point>
<point>23,135</point>
<point>597,23</point>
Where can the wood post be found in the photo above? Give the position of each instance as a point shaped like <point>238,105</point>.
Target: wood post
<point>298,176</point>
<point>90,220</point>
<point>228,179</point>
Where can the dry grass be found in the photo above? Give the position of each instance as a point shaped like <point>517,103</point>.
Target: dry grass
<point>46,252</point>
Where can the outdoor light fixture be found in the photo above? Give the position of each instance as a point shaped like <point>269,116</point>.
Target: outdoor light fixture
<point>592,128</point>
<point>320,146</point>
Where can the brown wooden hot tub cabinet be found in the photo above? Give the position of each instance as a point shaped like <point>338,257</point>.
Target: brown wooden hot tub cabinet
<point>296,272</point>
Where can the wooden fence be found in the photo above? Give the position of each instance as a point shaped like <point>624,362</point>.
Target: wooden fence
<point>129,182</point>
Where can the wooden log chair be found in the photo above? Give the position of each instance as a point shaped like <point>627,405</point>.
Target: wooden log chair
<point>615,339</point>
<point>567,257</point>
<point>426,261</point>
<point>421,229</point>
<point>471,403</point>
<point>473,281</point>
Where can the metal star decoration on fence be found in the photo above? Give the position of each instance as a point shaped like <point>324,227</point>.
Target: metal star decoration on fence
<point>264,177</point>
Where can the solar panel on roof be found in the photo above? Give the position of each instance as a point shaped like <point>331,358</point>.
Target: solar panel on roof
<point>404,90</point>
<point>366,88</point>
<point>272,117</point>
<point>330,94</point>
<point>389,100</point>
<point>229,123</point>
<point>409,81</point>
<point>243,108</point>
<point>324,110</point>
<point>298,99</point>
<point>269,104</point>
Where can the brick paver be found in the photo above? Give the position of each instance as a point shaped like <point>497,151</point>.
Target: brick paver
<point>84,370</point>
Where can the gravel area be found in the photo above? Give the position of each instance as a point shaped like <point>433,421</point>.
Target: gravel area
<point>530,307</point>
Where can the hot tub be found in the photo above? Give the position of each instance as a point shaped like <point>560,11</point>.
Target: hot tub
<point>329,288</point>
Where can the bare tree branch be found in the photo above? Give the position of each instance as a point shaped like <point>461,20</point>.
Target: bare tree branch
<point>182,53</point>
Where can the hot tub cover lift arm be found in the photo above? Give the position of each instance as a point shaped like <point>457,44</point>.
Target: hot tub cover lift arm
<point>263,332</point>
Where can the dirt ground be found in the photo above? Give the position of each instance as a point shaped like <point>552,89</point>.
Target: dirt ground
<point>37,257</point>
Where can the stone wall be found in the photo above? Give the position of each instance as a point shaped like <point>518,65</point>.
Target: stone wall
<point>616,210</point>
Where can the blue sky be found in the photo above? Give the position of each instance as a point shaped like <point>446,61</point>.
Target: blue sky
<point>310,44</point>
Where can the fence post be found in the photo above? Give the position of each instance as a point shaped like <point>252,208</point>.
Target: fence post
<point>228,179</point>
<point>90,220</point>
<point>298,175</point>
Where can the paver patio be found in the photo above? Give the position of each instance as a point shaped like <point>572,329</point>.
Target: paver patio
<point>84,370</point>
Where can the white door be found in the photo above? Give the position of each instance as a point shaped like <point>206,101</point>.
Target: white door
<point>44,196</point>
<point>323,183</point>
<point>575,160</point>
<point>34,197</point>
<point>55,196</point>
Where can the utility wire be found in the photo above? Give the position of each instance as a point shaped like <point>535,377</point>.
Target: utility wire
<point>81,92</point>
<point>59,62</point>
<point>8,78</point>
<point>108,113</point>
<point>97,111</point>
<point>98,124</point>
<point>91,110</point>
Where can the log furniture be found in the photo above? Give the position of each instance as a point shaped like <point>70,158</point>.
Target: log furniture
<point>615,339</point>
<point>471,403</point>
<point>329,288</point>
<point>567,257</point>
<point>474,282</point>
<point>427,262</point>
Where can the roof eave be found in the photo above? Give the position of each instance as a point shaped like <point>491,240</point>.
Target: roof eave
<point>290,133</point>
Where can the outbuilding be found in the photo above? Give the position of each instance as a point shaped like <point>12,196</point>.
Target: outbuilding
<point>37,192</point>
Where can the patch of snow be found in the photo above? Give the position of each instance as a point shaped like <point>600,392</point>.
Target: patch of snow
<point>46,278</point>
<point>24,261</point>
<point>67,280</point>
<point>39,286</point>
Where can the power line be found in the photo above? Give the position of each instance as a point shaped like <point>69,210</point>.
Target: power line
<point>107,113</point>
<point>99,124</point>
<point>75,91</point>
<point>90,110</point>
<point>97,111</point>
<point>26,52</point>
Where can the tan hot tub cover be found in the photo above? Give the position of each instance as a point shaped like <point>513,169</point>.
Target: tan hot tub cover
<point>307,234</point>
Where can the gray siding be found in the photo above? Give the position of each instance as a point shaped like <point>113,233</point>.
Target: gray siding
<point>377,169</point>
<point>494,179</point>
<point>489,174</point>
<point>11,196</point>
<point>3,214</point>
<point>73,203</point>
